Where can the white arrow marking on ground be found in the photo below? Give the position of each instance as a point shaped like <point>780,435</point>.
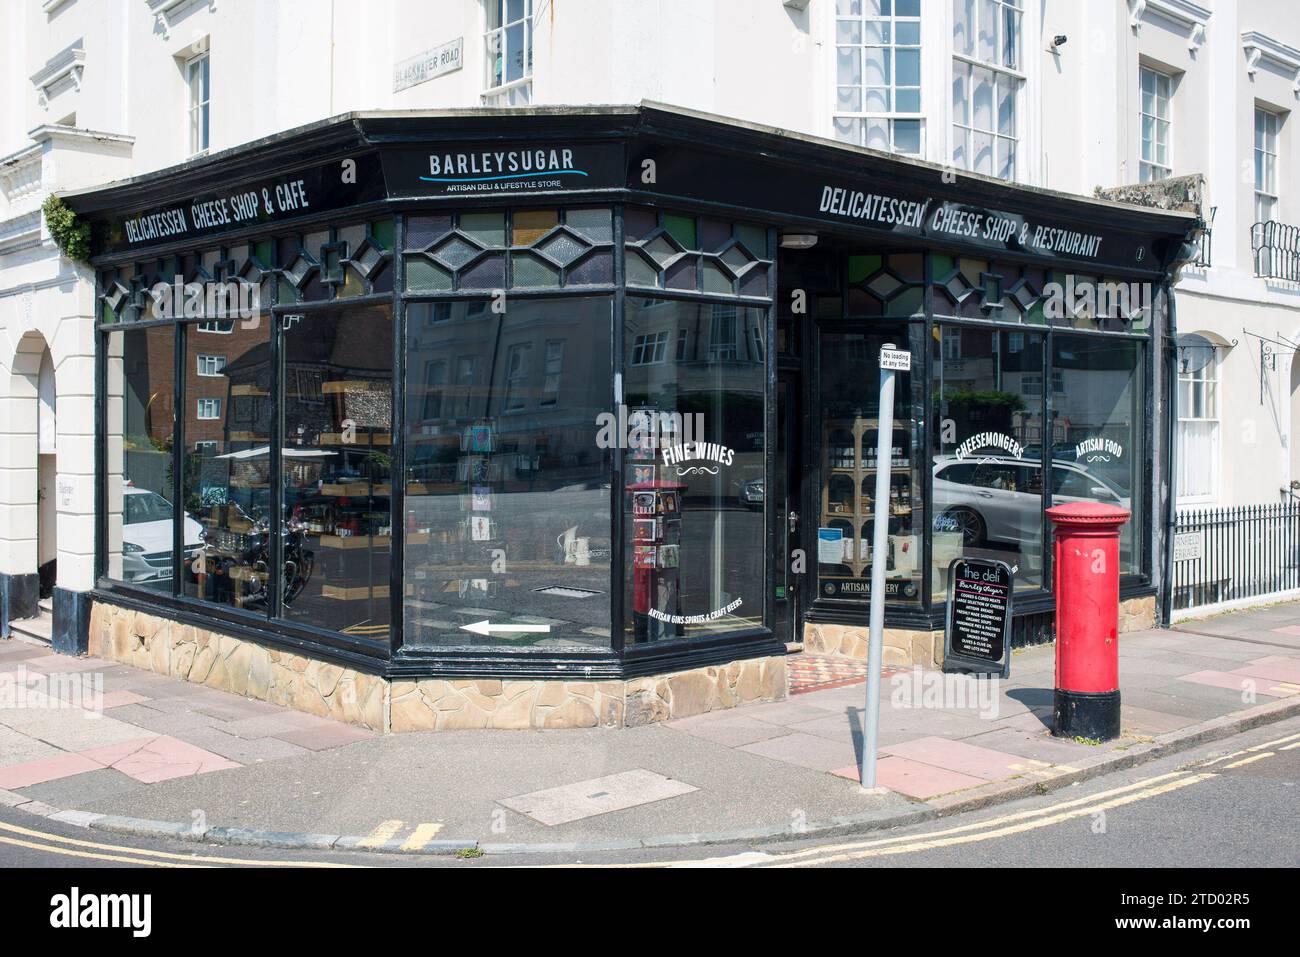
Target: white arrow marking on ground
<point>485,627</point>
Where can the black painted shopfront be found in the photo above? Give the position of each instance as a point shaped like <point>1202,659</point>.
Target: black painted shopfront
<point>592,392</point>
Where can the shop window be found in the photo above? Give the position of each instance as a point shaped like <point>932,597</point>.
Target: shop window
<point>695,438</point>
<point>336,469</point>
<point>669,250</point>
<point>849,414</point>
<point>545,248</point>
<point>885,285</point>
<point>226,480</point>
<point>507,515</point>
<point>969,288</point>
<point>1198,419</point>
<point>1098,429</point>
<point>988,440</point>
<point>878,74</point>
<point>1155,119</point>
<point>509,45</point>
<point>987,80</point>
<point>140,419</point>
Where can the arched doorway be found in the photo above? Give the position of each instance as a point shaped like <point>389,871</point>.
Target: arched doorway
<point>47,516</point>
<point>30,461</point>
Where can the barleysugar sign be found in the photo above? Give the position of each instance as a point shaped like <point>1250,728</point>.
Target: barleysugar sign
<point>427,65</point>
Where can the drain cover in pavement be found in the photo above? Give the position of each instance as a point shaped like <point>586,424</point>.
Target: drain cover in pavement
<point>573,802</point>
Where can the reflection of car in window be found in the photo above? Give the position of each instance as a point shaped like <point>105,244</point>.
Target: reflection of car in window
<point>999,498</point>
<point>147,535</point>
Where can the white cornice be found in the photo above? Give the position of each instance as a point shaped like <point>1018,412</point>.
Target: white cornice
<point>1260,48</point>
<point>67,64</point>
<point>165,12</point>
<point>1194,17</point>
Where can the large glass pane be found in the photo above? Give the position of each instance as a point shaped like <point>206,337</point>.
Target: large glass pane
<point>1097,433</point>
<point>338,420</point>
<point>694,561</point>
<point>508,474</point>
<point>227,461</point>
<point>988,446</point>
<point>849,416</point>
<point>139,418</point>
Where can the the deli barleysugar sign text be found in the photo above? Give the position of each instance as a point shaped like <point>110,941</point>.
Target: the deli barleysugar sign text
<point>959,221</point>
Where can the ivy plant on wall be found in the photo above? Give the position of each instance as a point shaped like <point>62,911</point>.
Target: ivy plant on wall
<point>70,234</point>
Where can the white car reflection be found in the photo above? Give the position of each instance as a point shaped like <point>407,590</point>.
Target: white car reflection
<point>147,536</point>
<point>999,498</point>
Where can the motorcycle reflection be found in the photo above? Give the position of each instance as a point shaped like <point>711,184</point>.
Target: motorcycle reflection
<point>237,565</point>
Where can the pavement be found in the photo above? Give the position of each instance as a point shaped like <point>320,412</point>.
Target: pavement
<point>94,744</point>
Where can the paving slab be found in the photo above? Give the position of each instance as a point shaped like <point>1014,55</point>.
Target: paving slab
<point>159,759</point>
<point>806,751</point>
<point>61,765</point>
<point>19,748</point>
<point>99,784</point>
<point>72,729</point>
<point>959,756</point>
<point>731,731</point>
<point>242,750</point>
<point>914,778</point>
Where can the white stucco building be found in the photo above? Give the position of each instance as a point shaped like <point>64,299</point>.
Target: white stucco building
<point>1069,96</point>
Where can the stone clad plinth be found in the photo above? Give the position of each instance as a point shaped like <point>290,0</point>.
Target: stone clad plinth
<point>295,681</point>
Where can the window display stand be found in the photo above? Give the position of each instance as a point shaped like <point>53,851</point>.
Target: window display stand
<point>856,464</point>
<point>656,542</point>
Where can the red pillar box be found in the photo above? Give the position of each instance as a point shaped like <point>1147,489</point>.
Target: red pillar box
<point>1087,619</point>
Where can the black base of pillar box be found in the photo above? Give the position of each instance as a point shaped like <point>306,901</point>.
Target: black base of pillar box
<point>70,632</point>
<point>20,597</point>
<point>1086,714</point>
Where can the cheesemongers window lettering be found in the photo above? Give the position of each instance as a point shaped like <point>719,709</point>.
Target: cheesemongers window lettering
<point>954,220</point>
<point>989,440</point>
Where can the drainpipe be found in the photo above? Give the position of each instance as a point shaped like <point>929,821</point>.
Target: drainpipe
<point>1171,460</point>
<point>1183,254</point>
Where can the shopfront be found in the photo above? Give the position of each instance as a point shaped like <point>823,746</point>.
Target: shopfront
<point>583,405</point>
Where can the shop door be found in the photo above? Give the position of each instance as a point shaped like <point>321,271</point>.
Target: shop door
<point>787,624</point>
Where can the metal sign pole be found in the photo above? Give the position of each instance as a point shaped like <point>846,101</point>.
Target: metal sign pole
<point>890,360</point>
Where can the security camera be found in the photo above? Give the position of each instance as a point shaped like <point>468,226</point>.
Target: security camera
<point>1059,40</point>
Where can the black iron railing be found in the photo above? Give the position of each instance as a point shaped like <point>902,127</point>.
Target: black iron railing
<point>1276,248</point>
<point>1225,554</point>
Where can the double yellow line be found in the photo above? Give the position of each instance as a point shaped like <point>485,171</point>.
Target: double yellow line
<point>48,843</point>
<point>1003,826</point>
